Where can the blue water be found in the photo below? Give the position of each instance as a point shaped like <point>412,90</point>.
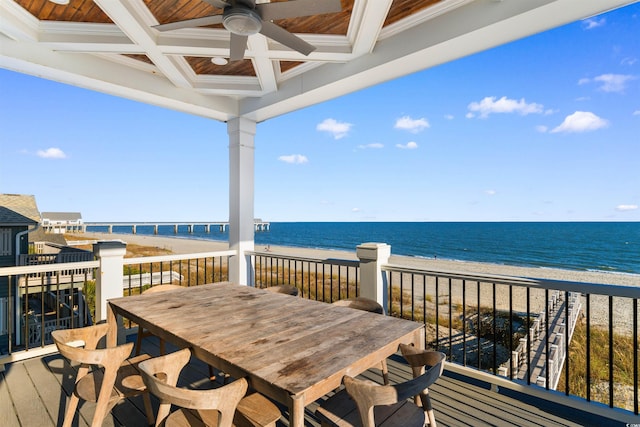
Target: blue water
<point>583,246</point>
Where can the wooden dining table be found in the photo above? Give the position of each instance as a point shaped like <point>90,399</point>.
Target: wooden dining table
<point>293,350</point>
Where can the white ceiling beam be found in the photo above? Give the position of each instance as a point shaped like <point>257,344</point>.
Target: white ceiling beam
<point>16,23</point>
<point>262,63</point>
<point>135,20</point>
<point>85,37</point>
<point>95,73</point>
<point>366,24</point>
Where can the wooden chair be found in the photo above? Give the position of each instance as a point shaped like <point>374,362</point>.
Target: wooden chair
<point>225,406</point>
<point>116,379</point>
<point>284,289</point>
<point>419,360</point>
<point>361,303</point>
<point>364,403</point>
<point>366,304</point>
<point>142,333</point>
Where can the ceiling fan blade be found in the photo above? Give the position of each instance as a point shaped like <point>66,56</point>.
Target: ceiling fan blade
<point>238,44</point>
<point>220,4</point>
<point>293,9</point>
<point>188,23</point>
<point>286,38</point>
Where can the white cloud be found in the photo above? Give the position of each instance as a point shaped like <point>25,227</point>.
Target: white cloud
<point>613,82</point>
<point>337,129</point>
<point>372,145</point>
<point>636,113</point>
<point>628,61</point>
<point>51,153</point>
<point>408,146</point>
<point>542,128</point>
<point>296,159</point>
<point>490,192</point>
<point>355,210</point>
<point>610,82</point>
<point>581,121</point>
<point>490,105</point>
<point>411,125</point>
<point>591,23</point>
<point>624,208</point>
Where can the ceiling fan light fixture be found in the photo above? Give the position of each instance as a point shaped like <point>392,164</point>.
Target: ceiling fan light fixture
<point>219,60</point>
<point>242,21</point>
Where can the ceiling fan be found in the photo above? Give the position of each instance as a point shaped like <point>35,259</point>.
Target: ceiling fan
<point>244,18</point>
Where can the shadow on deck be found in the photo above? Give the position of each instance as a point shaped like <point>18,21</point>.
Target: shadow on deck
<point>30,395</point>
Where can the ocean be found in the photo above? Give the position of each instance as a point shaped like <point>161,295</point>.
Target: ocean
<point>582,246</point>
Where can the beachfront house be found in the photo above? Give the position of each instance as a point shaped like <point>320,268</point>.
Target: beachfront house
<point>62,222</point>
<point>220,73</point>
<point>18,216</point>
<point>26,302</point>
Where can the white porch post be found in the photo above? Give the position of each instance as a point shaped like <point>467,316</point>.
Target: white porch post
<point>110,274</point>
<point>241,187</point>
<point>373,281</point>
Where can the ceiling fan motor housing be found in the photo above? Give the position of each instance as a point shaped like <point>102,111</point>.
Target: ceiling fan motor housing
<point>241,21</point>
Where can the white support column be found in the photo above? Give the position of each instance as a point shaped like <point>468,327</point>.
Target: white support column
<point>241,197</point>
<point>373,281</point>
<point>110,273</point>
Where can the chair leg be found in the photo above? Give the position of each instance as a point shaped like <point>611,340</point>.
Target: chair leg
<point>162,347</point>
<point>71,410</point>
<point>428,409</point>
<point>148,409</point>
<point>105,402</point>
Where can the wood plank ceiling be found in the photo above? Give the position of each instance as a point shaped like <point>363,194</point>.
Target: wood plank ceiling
<point>165,11</point>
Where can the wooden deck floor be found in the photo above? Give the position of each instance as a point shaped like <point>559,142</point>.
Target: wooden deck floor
<point>31,394</point>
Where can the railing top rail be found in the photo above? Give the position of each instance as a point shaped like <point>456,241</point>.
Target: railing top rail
<point>45,268</point>
<point>334,261</point>
<point>177,257</point>
<point>530,282</point>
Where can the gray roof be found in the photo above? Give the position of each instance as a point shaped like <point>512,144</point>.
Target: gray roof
<point>18,209</point>
<point>62,216</point>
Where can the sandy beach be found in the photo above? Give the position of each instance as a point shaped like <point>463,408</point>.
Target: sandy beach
<point>599,307</point>
<point>183,246</point>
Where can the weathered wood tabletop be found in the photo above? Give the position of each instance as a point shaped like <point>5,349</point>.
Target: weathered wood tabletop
<point>292,349</point>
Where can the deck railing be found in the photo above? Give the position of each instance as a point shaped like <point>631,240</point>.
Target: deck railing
<point>467,316</point>
<point>319,279</point>
<point>184,270</point>
<point>41,298</point>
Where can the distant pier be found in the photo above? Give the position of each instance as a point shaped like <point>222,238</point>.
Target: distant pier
<point>258,225</point>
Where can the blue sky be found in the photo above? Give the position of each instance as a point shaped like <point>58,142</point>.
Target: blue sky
<point>543,129</point>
